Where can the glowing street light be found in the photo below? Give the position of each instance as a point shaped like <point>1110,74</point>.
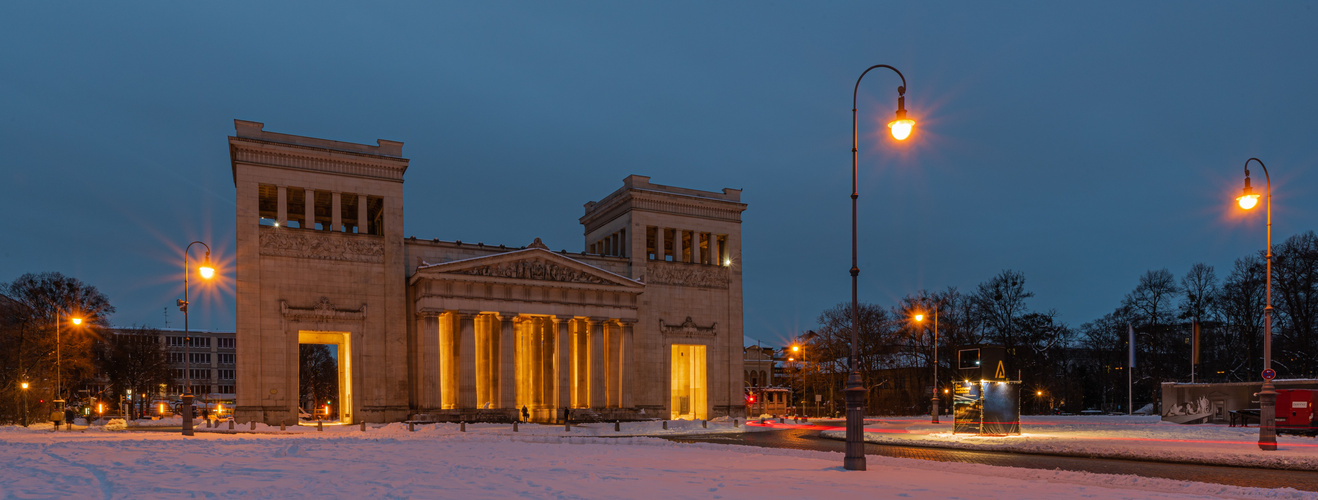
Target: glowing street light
<point>933,401</point>
<point>59,386</point>
<point>855,391</point>
<point>207,271</point>
<point>24,385</point>
<point>1268,395</point>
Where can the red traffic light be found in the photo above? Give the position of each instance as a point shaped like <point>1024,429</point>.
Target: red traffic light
<point>750,399</point>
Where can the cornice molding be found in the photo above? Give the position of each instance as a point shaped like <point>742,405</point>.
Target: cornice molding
<point>321,160</point>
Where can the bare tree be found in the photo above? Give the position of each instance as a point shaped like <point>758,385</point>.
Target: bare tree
<point>1000,302</point>
<point>135,359</point>
<point>1295,283</point>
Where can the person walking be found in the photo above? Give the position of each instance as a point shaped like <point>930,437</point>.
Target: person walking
<point>526,415</point>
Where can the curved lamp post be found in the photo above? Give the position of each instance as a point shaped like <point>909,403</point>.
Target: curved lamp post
<point>855,391</point>
<point>207,271</point>
<point>1268,395</point>
<point>59,385</point>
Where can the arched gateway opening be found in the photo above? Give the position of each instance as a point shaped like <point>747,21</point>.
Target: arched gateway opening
<point>313,402</point>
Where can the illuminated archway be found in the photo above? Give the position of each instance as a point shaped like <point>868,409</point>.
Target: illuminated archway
<point>688,383</point>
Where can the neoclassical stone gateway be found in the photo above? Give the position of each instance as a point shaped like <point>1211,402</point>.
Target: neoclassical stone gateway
<point>646,323</point>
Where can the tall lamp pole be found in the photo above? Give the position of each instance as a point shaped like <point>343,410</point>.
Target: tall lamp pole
<point>59,386</point>
<point>933,412</point>
<point>855,391</point>
<point>1268,395</point>
<point>206,271</point>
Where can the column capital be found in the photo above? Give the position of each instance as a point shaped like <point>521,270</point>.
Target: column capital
<point>593,320</point>
<point>505,316</point>
<point>429,313</point>
<point>466,313</point>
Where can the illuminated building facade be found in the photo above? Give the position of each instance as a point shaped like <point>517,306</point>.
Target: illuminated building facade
<point>645,323</point>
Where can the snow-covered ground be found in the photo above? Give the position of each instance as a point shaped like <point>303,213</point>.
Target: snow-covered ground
<point>1140,437</point>
<point>439,462</point>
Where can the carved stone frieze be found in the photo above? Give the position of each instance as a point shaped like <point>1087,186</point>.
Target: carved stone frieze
<point>284,242</point>
<point>682,274</point>
<point>688,329</point>
<point>322,310</point>
<point>534,270</point>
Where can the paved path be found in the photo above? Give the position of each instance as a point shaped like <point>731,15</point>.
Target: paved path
<point>808,439</point>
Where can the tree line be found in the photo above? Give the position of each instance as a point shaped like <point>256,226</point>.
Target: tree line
<point>1068,368</point>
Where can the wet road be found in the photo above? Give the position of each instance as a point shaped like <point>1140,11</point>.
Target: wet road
<point>808,439</point>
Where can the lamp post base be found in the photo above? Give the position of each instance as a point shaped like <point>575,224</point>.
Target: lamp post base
<point>855,449</point>
<point>187,414</point>
<point>1268,417</point>
<point>934,411</point>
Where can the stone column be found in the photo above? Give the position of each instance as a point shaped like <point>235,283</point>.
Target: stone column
<point>612,338</point>
<point>448,359</point>
<point>336,211</point>
<point>361,214</point>
<point>677,245</point>
<point>658,243</point>
<point>309,207</point>
<point>628,371</point>
<point>581,370</point>
<point>562,363</point>
<point>507,362</point>
<point>547,361</point>
<point>281,213</point>
<point>481,324</point>
<point>597,372</point>
<point>535,353</point>
<point>428,366</point>
<point>467,359</point>
<point>523,343</point>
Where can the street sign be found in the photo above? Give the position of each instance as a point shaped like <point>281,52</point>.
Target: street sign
<point>819,397</point>
<point>1269,374</point>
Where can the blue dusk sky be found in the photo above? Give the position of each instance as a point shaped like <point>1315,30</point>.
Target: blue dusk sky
<point>1079,143</point>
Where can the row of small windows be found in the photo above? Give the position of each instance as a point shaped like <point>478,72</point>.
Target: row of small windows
<point>226,359</point>
<point>196,341</point>
<point>320,210</point>
<point>692,247</point>
<point>224,343</point>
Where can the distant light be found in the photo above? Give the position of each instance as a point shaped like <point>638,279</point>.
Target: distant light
<point>276,223</point>
<point>919,317</point>
<point>1039,393</point>
<point>945,391</point>
<point>796,348</point>
<point>24,385</point>
<point>727,262</point>
<point>77,321</point>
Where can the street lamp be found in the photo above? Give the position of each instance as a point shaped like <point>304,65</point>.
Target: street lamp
<point>1268,395</point>
<point>59,386</point>
<point>933,412</point>
<point>24,385</point>
<point>207,271</point>
<point>855,391</point>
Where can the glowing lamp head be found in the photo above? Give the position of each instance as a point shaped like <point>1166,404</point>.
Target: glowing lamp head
<point>901,127</point>
<point>1247,199</point>
<point>796,348</point>
<point>76,321</point>
<point>1038,393</point>
<point>24,384</point>
<point>206,270</point>
<point>919,317</point>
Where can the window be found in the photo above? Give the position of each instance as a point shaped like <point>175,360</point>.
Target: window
<point>226,374</point>
<point>176,357</point>
<point>348,212</point>
<point>225,359</point>
<point>224,343</point>
<point>375,215</point>
<point>199,357</point>
<point>178,373</point>
<point>226,389</point>
<point>174,341</point>
<point>324,209</point>
<point>669,236</point>
<point>198,374</point>
<point>297,207</point>
<point>723,250</point>
<point>267,204</point>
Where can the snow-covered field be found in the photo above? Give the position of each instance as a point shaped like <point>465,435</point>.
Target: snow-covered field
<point>437,461</point>
<point>1142,437</point>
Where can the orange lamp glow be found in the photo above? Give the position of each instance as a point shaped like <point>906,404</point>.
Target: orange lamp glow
<point>206,270</point>
<point>24,384</point>
<point>100,408</point>
<point>919,317</point>
<point>162,408</point>
<point>901,129</point>
<point>1039,393</point>
<point>1248,201</point>
<point>76,321</point>
<point>796,348</point>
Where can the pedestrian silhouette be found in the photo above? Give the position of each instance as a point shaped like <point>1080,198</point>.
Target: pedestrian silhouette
<point>526,415</point>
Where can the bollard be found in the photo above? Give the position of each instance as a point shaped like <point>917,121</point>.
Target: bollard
<point>514,426</point>
<point>462,426</point>
<point>231,424</point>
<point>251,425</point>
<point>363,426</point>
<point>782,420</point>
<point>665,425</point>
<point>734,422</point>
<point>411,427</point>
<point>281,425</point>
<point>567,426</point>
<point>704,424</point>
<point>617,427</point>
<point>320,426</point>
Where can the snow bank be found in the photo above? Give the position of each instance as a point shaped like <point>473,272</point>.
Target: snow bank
<point>1131,437</point>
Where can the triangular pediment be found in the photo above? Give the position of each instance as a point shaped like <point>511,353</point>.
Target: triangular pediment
<point>530,264</point>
